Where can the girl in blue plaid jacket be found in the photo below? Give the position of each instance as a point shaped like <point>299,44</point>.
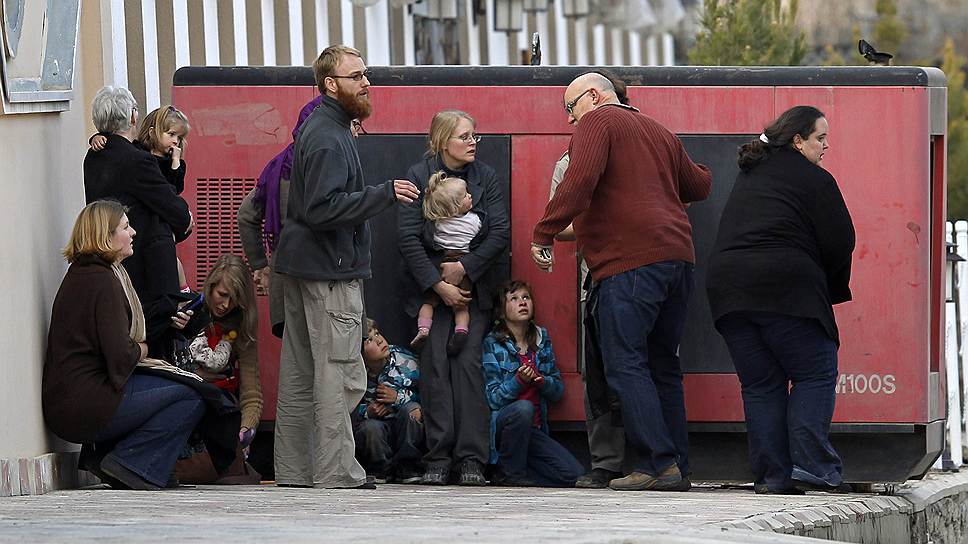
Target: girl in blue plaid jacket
<point>521,378</point>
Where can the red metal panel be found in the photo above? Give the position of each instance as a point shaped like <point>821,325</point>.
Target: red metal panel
<point>539,110</point>
<point>713,397</point>
<point>891,331</point>
<point>556,294</point>
<point>879,157</point>
<point>235,131</point>
<point>706,110</point>
<point>571,407</point>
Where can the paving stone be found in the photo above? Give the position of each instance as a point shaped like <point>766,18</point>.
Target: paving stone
<point>431,514</point>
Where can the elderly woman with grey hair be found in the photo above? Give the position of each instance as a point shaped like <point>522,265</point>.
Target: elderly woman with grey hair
<point>123,172</point>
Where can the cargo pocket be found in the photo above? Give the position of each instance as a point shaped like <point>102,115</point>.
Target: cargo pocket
<point>347,337</point>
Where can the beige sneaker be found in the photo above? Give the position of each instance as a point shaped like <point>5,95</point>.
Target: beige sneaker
<point>667,480</point>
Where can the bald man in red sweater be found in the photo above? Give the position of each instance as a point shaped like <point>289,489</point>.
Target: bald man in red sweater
<point>626,192</point>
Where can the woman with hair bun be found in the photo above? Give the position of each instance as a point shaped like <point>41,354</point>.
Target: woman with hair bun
<point>781,261</point>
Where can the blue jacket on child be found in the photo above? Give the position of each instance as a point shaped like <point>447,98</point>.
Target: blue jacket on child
<point>501,386</point>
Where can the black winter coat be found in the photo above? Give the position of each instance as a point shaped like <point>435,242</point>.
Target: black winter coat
<point>123,171</point>
<point>784,244</point>
<point>486,265</point>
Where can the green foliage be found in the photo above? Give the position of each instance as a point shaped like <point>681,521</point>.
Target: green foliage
<point>954,67</point>
<point>889,31</point>
<point>748,33</point>
<point>832,57</point>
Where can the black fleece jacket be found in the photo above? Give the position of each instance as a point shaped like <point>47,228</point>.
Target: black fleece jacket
<point>487,263</point>
<point>325,235</point>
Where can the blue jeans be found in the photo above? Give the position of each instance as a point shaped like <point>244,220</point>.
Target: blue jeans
<point>524,450</point>
<point>640,316</point>
<point>787,427</point>
<point>396,444</point>
<point>151,425</point>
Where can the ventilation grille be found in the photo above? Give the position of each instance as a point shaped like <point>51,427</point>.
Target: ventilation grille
<point>216,206</point>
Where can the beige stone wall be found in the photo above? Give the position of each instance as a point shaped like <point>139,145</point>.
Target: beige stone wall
<point>41,191</point>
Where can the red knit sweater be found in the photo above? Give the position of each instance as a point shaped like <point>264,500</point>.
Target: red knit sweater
<point>625,190</point>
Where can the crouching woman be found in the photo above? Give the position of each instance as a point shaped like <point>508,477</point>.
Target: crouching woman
<point>521,378</point>
<point>136,423</point>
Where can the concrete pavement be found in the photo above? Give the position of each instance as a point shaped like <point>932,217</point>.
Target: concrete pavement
<point>919,512</point>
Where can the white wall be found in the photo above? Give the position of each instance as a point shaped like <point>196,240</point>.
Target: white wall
<point>41,191</point>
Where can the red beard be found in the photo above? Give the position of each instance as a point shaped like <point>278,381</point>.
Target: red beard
<point>358,107</point>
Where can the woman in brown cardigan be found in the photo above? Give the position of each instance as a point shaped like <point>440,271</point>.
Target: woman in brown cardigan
<point>226,354</point>
<point>137,423</point>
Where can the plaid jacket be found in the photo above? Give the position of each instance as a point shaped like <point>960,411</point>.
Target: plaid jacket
<point>401,372</point>
<point>501,386</point>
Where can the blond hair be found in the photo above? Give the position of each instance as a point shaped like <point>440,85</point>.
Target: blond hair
<point>158,122</point>
<point>232,271</point>
<point>93,229</point>
<point>442,127</point>
<point>370,327</point>
<point>328,60</point>
<point>443,196</point>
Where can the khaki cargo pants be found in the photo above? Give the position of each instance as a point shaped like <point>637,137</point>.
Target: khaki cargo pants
<point>321,379</point>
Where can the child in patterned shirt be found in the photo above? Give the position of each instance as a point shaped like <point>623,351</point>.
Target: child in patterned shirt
<point>388,423</point>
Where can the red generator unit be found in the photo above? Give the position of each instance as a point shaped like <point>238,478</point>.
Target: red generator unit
<point>887,137</point>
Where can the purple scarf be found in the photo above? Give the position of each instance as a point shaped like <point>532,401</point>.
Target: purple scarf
<point>267,189</point>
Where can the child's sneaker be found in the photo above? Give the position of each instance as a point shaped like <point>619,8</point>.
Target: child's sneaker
<point>456,342</point>
<point>418,341</point>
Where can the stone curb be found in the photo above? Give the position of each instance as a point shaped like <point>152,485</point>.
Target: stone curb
<point>906,501</point>
<point>807,519</point>
<point>930,491</point>
<point>42,474</point>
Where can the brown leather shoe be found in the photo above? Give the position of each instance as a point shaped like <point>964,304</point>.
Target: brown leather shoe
<point>667,480</point>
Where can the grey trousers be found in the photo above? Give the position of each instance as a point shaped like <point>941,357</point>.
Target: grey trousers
<point>456,415</point>
<point>606,442</point>
<point>321,378</point>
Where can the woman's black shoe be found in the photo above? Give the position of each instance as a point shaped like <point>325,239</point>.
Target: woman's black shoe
<point>843,488</point>
<point>763,489</point>
<point>94,467</point>
<point>456,343</point>
<point>435,475</point>
<point>501,479</point>
<point>471,473</point>
<point>114,469</point>
<point>598,478</point>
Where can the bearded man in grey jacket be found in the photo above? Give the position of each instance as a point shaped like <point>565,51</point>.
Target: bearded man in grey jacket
<point>323,255</point>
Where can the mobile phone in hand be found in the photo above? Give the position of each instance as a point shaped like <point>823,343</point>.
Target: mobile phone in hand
<point>194,303</point>
<point>546,255</point>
